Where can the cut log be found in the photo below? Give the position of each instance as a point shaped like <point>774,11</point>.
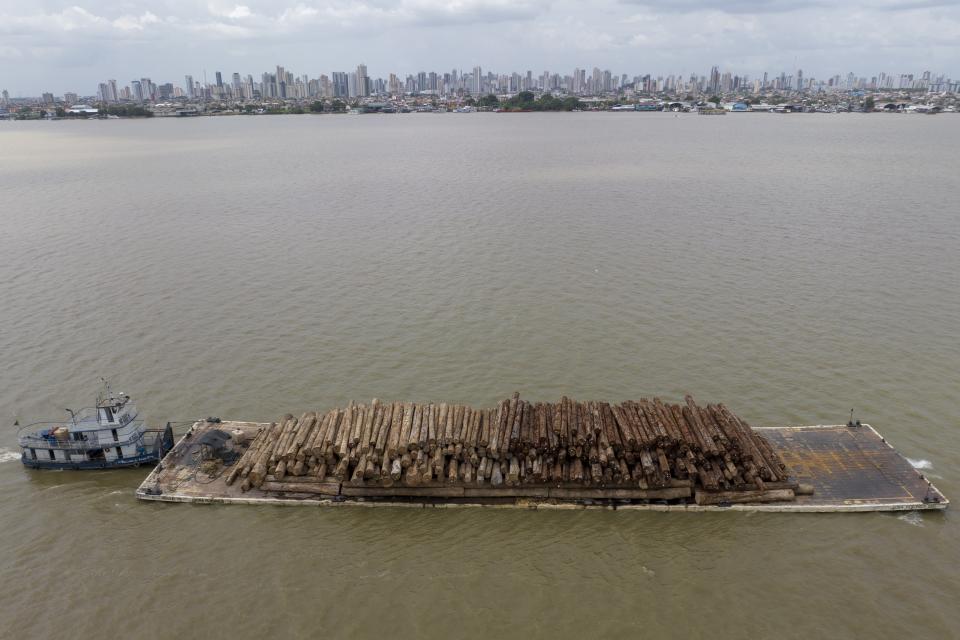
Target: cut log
<point>702,497</point>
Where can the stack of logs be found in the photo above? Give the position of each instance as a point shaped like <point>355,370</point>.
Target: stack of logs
<point>647,444</point>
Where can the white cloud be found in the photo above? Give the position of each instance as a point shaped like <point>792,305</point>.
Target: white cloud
<point>135,23</point>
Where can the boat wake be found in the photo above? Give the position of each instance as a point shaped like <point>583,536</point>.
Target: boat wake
<point>920,464</point>
<point>6,455</point>
<point>913,518</point>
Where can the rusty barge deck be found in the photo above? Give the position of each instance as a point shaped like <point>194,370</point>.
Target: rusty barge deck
<point>850,469</point>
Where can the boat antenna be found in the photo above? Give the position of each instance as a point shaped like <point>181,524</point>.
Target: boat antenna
<point>73,416</point>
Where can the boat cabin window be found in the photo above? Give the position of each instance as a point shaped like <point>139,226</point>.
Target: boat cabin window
<point>33,454</point>
<point>119,453</point>
<point>52,455</point>
<point>116,438</point>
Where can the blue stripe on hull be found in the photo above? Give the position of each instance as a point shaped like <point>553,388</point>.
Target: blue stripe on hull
<point>89,464</point>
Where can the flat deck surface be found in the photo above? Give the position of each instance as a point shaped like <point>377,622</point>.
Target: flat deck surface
<point>851,469</point>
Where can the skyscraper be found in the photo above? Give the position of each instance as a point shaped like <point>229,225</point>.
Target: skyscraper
<point>363,84</point>
<point>188,81</point>
<point>714,80</point>
<point>352,84</point>
<point>477,87</point>
<point>340,84</point>
<point>280,90</point>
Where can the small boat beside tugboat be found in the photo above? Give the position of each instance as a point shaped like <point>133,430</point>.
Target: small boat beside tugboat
<point>109,435</point>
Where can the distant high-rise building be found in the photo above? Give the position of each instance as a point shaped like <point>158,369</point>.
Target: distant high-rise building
<point>714,80</point>
<point>579,81</point>
<point>137,90</point>
<point>280,84</point>
<point>188,82</point>
<point>477,87</point>
<point>5,98</point>
<point>70,98</point>
<point>341,84</point>
<point>352,84</point>
<point>219,79</point>
<point>47,98</point>
<point>363,84</point>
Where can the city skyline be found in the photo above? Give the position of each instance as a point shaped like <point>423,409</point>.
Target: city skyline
<point>358,83</point>
<point>61,46</point>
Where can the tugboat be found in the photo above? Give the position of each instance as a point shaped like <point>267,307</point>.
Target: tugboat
<point>107,436</point>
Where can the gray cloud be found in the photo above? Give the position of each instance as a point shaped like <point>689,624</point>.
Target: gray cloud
<point>70,45</point>
<point>726,6</point>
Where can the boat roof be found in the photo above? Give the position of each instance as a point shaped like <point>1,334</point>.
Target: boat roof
<point>86,420</point>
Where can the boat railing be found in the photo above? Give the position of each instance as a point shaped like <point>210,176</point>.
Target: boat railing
<point>90,440</point>
<point>87,415</point>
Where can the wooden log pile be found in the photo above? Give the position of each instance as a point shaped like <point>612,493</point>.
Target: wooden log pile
<point>647,444</point>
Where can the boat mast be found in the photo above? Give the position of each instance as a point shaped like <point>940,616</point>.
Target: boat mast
<point>107,386</point>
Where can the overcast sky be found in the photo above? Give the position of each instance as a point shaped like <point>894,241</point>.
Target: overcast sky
<point>49,45</point>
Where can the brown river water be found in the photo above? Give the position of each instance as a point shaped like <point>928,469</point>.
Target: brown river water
<point>793,267</point>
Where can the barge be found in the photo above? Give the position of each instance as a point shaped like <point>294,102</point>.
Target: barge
<point>646,455</point>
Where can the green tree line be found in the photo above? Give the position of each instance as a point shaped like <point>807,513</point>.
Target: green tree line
<point>527,101</point>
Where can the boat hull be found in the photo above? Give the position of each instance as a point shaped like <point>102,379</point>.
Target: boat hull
<point>86,465</point>
<point>164,442</point>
